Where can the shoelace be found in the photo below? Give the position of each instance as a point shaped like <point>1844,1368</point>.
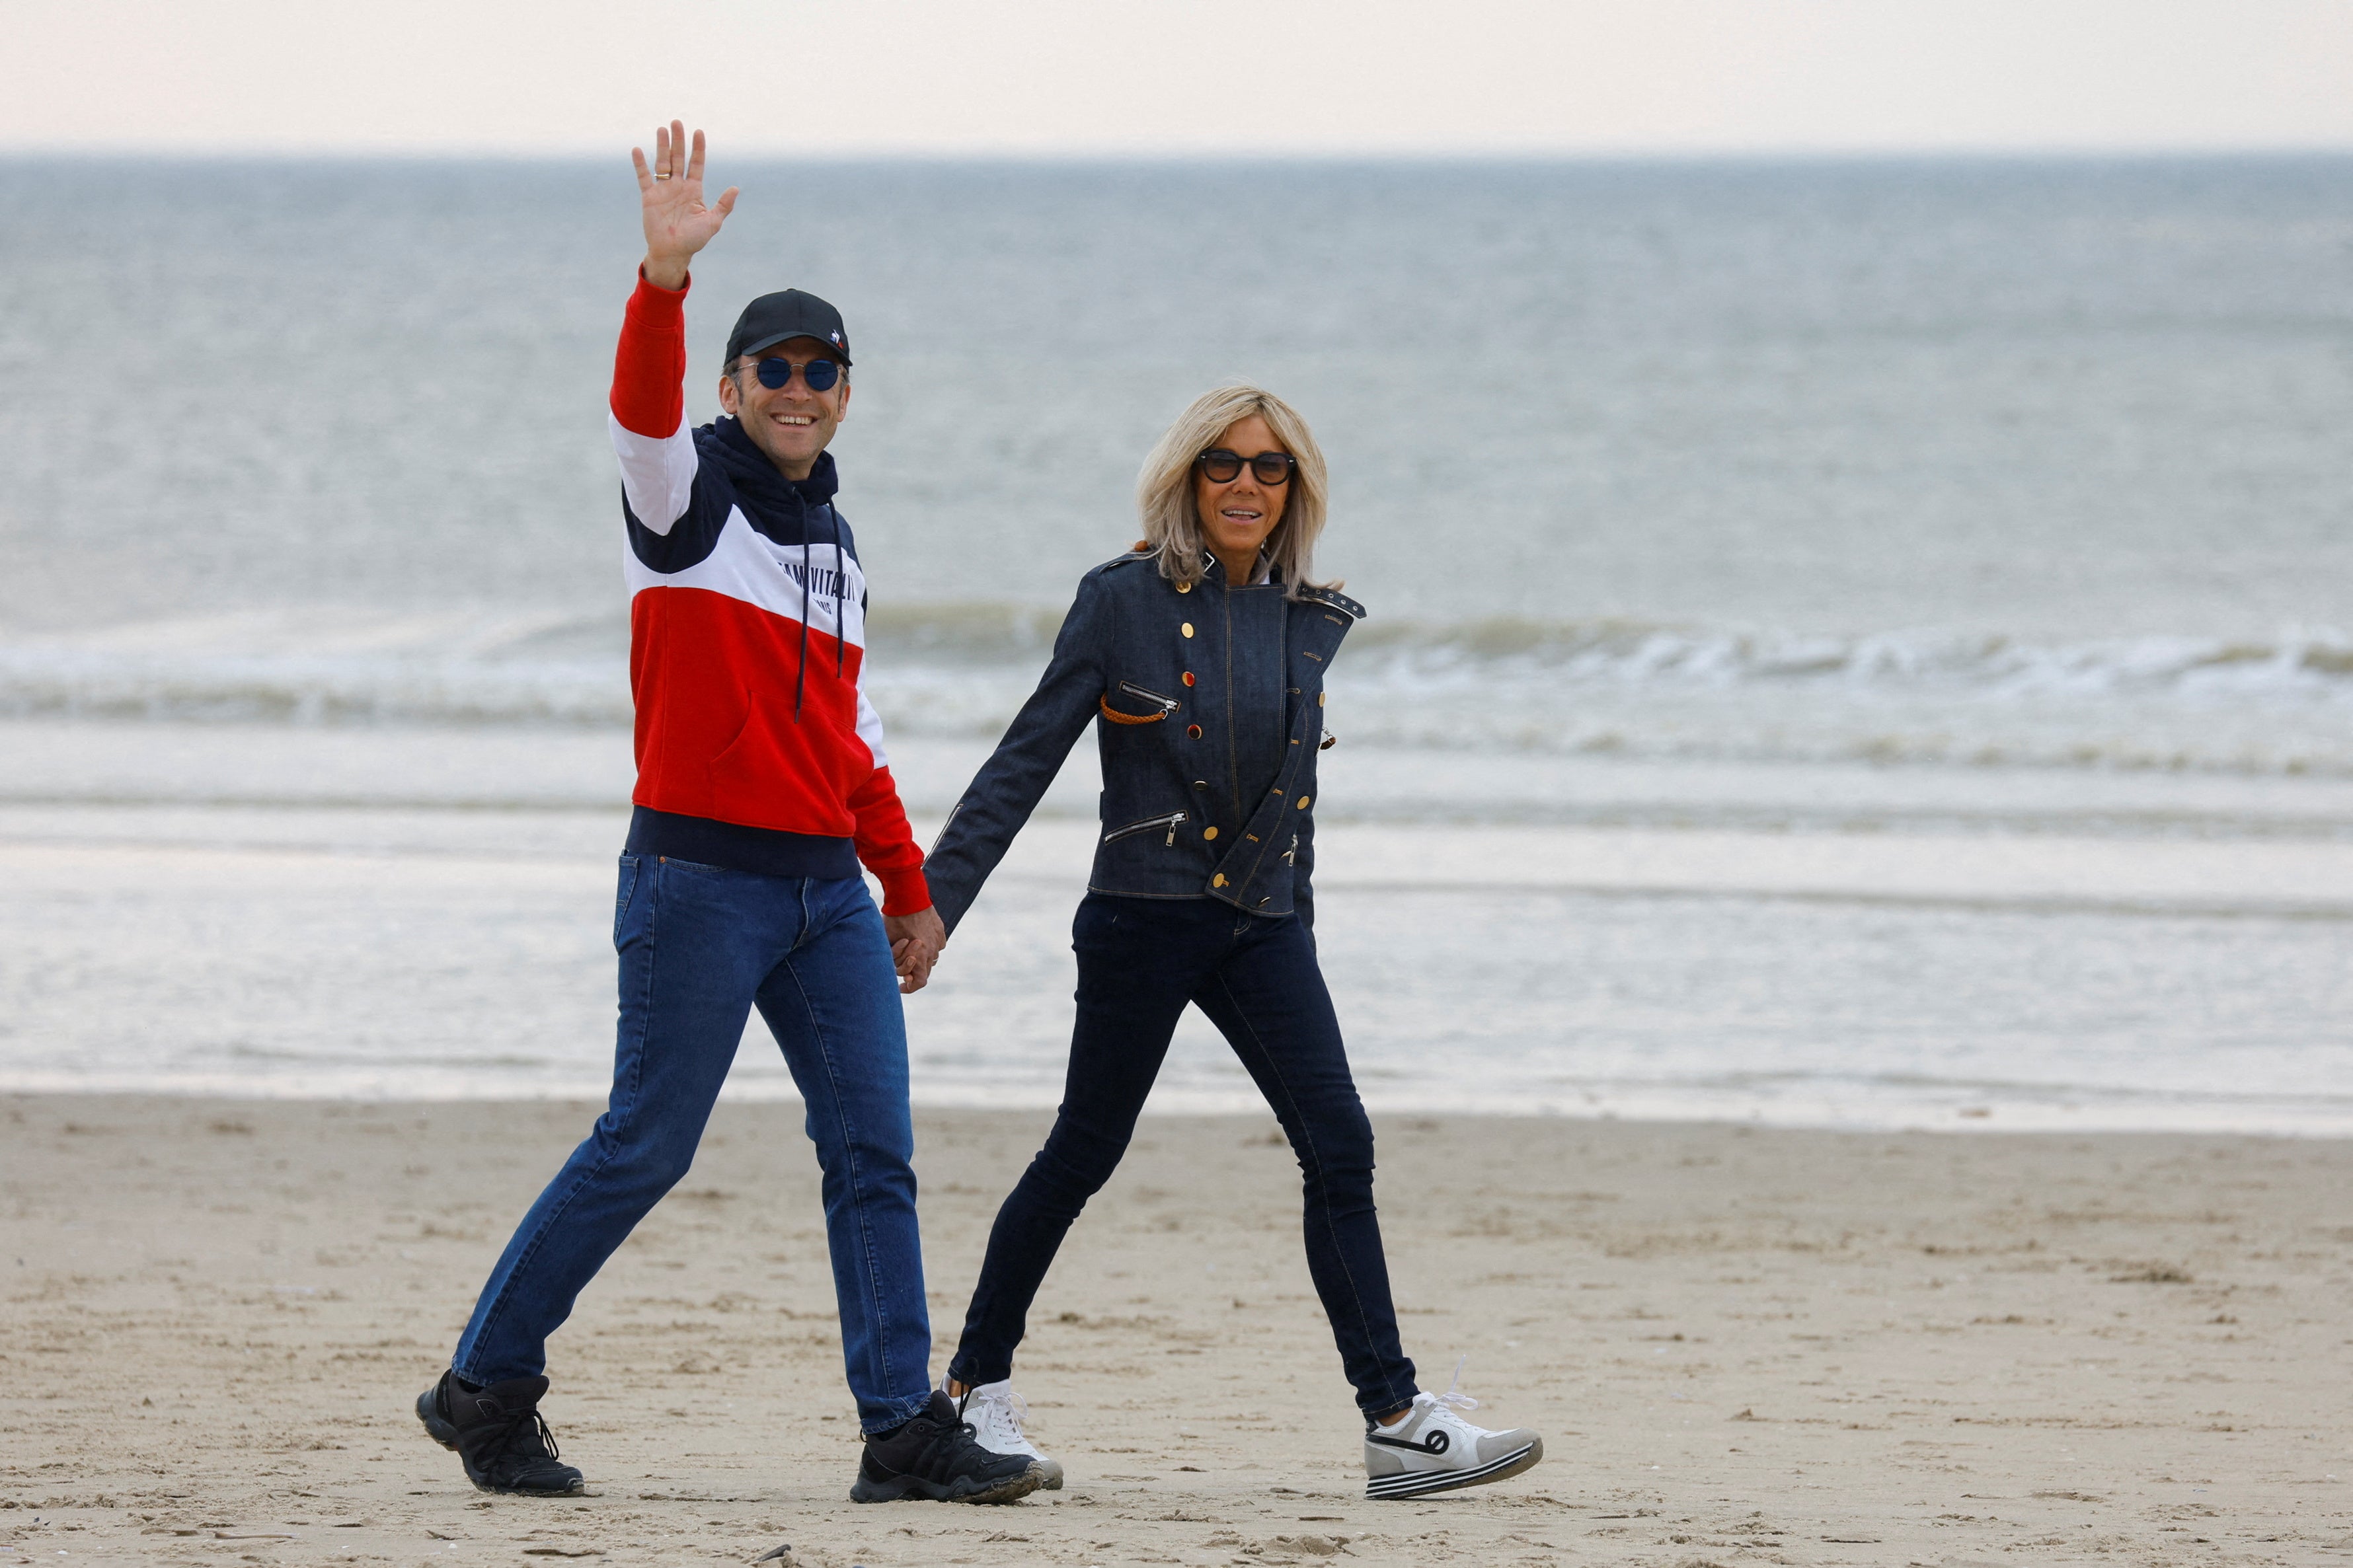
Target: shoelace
<point>950,1441</point>
<point>935,1455</point>
<point>1454,1396</point>
<point>520,1426</point>
<point>1009,1404</point>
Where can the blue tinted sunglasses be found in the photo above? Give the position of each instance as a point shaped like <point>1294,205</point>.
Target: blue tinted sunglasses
<point>776,373</point>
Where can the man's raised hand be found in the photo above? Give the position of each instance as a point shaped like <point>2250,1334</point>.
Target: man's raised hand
<point>677,222</point>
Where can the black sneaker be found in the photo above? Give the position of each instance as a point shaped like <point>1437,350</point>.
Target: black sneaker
<point>500,1436</point>
<point>936,1457</point>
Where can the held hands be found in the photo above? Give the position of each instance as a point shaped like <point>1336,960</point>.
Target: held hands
<point>916,943</point>
<point>677,222</point>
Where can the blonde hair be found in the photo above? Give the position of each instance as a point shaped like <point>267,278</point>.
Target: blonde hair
<point>1164,489</point>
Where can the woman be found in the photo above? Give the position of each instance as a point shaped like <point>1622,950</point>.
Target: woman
<point>1200,657</point>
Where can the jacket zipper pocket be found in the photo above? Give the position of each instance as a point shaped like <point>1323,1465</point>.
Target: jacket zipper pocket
<point>1170,821</point>
<point>1167,704</point>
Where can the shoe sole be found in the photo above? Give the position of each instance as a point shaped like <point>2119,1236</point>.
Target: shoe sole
<point>914,1489</point>
<point>437,1428</point>
<point>1422,1483</point>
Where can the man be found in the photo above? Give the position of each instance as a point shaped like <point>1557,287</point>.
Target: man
<point>761,787</point>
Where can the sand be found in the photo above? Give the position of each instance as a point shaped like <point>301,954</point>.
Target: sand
<point>1741,1345</point>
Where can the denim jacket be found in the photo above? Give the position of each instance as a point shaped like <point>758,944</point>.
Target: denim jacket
<point>1208,705</point>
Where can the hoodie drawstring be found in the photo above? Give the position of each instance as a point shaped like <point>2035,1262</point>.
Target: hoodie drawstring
<point>840,654</point>
<point>800,682</point>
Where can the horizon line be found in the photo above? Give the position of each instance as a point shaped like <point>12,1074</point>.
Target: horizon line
<point>1793,154</point>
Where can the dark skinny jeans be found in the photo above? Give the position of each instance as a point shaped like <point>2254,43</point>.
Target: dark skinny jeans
<point>1140,961</point>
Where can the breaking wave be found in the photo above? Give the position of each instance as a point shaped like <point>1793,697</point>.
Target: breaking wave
<point>2280,705</point>
<point>2299,664</point>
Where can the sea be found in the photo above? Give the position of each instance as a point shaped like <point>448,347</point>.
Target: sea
<point>1854,644</point>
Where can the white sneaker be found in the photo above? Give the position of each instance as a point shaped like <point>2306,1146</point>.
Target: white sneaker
<point>996,1414</point>
<point>1433,1449</point>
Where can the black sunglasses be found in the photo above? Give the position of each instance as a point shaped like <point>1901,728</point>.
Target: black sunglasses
<point>1270,468</point>
<point>776,373</point>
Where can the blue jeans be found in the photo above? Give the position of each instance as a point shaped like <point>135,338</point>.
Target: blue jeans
<point>700,948</point>
<point>1140,961</point>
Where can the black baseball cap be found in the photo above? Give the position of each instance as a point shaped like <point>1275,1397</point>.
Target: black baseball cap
<point>794,313</point>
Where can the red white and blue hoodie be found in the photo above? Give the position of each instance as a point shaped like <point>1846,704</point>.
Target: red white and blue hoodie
<point>757,748</point>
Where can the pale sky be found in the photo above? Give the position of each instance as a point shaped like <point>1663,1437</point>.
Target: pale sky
<point>1177,77</point>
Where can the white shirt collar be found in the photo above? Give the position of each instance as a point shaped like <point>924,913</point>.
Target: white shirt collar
<point>1263,573</point>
